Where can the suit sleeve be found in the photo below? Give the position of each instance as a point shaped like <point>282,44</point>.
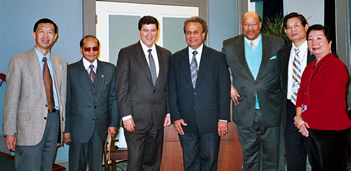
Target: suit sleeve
<point>172,91</point>
<point>223,90</point>
<point>12,97</point>
<point>68,103</point>
<point>114,119</point>
<point>122,84</point>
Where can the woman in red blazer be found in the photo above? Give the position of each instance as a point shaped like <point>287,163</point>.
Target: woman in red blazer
<point>321,104</point>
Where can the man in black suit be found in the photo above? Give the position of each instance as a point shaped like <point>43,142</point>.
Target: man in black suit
<point>91,107</point>
<point>296,145</point>
<point>256,93</point>
<point>141,80</point>
<point>199,98</point>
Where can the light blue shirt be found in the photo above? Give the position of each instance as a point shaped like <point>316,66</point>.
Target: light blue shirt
<point>41,62</point>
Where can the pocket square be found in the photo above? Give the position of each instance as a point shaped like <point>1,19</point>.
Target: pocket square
<point>273,57</point>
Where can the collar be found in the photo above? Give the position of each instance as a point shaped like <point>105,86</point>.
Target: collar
<point>41,56</point>
<point>86,63</point>
<point>255,41</point>
<point>145,48</point>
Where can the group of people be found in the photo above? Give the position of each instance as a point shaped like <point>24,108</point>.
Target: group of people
<point>298,90</point>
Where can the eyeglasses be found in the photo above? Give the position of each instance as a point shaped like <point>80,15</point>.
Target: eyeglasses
<point>254,25</point>
<point>88,49</point>
<point>295,26</point>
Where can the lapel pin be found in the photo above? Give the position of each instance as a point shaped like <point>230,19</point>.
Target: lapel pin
<point>102,76</point>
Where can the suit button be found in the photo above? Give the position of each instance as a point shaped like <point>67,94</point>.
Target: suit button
<point>44,118</point>
<point>194,107</point>
<point>94,94</point>
<point>46,105</point>
<point>94,85</point>
<point>94,107</point>
<point>154,91</point>
<point>195,93</point>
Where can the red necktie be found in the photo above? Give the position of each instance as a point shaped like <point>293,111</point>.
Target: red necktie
<point>92,73</point>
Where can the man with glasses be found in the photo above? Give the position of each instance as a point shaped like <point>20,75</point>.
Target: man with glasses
<point>256,93</point>
<point>292,60</point>
<point>91,107</point>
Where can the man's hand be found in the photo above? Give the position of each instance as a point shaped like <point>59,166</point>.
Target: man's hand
<point>11,142</point>
<point>129,124</point>
<point>234,95</point>
<point>167,120</point>
<point>112,131</point>
<point>178,126</point>
<point>222,128</point>
<point>67,138</point>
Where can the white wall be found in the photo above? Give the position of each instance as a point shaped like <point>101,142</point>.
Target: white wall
<point>313,10</point>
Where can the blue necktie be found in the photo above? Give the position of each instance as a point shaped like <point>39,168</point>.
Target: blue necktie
<point>296,75</point>
<point>194,69</point>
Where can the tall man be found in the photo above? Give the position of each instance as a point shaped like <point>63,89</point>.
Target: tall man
<point>91,106</point>
<point>199,97</point>
<point>141,80</point>
<point>35,101</point>
<point>252,59</point>
<point>292,60</point>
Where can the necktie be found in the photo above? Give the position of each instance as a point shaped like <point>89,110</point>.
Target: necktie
<point>296,75</point>
<point>194,69</point>
<point>92,73</point>
<point>48,86</point>
<point>252,44</point>
<point>152,67</point>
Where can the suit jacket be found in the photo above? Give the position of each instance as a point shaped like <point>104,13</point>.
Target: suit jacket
<point>135,91</point>
<point>25,107</point>
<point>283,59</point>
<point>90,104</point>
<point>202,107</point>
<point>266,86</point>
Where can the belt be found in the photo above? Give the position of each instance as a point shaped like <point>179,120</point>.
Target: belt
<point>53,110</point>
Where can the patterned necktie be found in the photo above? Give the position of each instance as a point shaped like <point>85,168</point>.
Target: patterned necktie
<point>48,85</point>
<point>296,75</point>
<point>152,67</point>
<point>252,44</point>
<point>92,73</point>
<point>194,69</point>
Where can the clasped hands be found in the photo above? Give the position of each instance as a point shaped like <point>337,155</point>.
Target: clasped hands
<point>222,127</point>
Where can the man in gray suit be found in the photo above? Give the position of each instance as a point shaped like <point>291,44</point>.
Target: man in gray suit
<point>34,111</point>
<point>141,80</point>
<point>91,107</point>
<point>257,97</point>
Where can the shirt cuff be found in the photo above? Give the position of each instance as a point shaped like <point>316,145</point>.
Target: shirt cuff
<point>126,117</point>
<point>222,120</point>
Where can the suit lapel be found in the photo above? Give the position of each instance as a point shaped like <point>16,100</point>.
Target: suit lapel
<point>99,79</point>
<point>184,62</point>
<point>240,44</point>
<point>265,55</point>
<point>140,57</point>
<point>84,79</point>
<point>35,69</point>
<point>205,61</point>
<point>57,74</point>
<point>161,62</point>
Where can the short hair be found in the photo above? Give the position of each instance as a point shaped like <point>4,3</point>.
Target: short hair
<point>196,19</point>
<point>87,36</point>
<point>44,20</point>
<point>297,15</point>
<point>325,29</point>
<point>147,20</point>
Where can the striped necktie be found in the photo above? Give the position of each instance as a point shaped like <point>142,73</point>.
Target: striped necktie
<point>296,75</point>
<point>152,67</point>
<point>92,73</point>
<point>194,69</point>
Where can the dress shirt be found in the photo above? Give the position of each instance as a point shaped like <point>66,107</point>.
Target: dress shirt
<point>256,41</point>
<point>41,62</point>
<point>303,58</point>
<point>87,64</point>
<point>154,55</point>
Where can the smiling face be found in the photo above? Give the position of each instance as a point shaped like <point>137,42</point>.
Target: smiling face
<point>296,31</point>
<point>148,34</point>
<point>318,44</point>
<point>251,25</point>
<point>44,37</point>
<point>194,36</point>
<point>90,49</point>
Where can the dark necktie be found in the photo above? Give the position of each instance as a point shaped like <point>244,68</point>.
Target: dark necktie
<point>152,67</point>
<point>296,75</point>
<point>92,73</point>
<point>48,86</point>
<point>194,69</point>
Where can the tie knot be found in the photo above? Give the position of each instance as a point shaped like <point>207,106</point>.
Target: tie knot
<point>194,52</point>
<point>251,43</point>
<point>297,50</point>
<point>44,59</point>
<point>91,66</point>
<point>149,50</point>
